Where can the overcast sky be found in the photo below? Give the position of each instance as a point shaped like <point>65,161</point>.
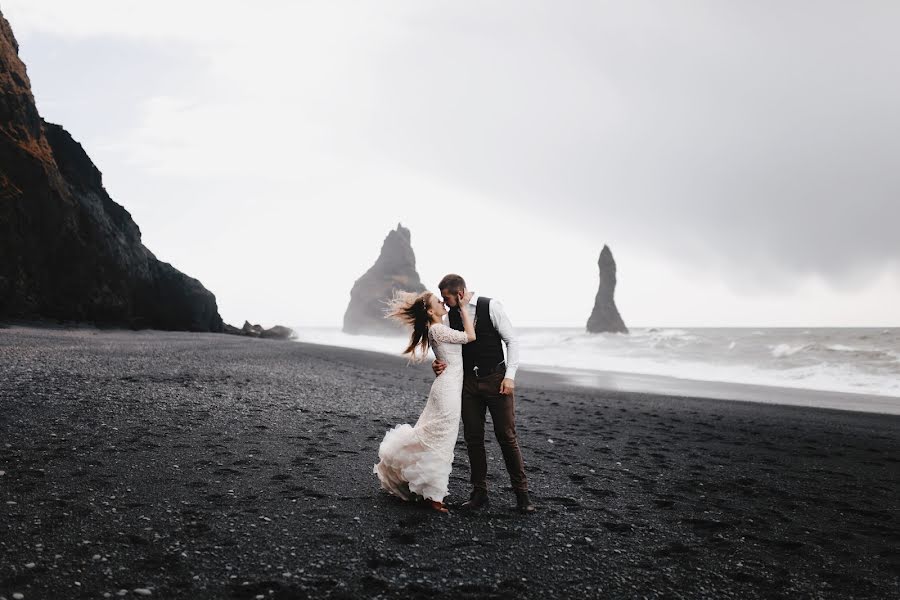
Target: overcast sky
<point>741,158</point>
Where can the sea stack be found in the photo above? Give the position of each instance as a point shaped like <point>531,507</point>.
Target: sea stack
<point>394,270</point>
<point>67,250</point>
<point>605,317</point>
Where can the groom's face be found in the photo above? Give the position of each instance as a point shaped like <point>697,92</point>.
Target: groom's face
<point>451,299</point>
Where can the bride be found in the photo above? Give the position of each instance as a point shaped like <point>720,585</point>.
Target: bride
<point>416,460</point>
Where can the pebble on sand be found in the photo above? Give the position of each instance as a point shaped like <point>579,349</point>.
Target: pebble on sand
<point>142,591</point>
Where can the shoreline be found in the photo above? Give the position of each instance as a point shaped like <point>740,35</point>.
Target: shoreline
<point>604,380</point>
<point>714,385</point>
<point>726,391</point>
<point>663,385</point>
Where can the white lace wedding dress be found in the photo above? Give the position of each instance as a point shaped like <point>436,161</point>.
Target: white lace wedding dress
<point>418,459</point>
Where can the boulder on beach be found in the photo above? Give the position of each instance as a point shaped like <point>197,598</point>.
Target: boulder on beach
<point>278,332</point>
<point>252,330</point>
<point>67,250</point>
<point>605,317</point>
<point>395,270</point>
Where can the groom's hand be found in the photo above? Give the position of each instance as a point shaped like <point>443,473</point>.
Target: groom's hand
<point>438,367</point>
<point>507,386</point>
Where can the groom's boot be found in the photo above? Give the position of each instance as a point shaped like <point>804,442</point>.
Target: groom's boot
<point>477,499</point>
<point>523,503</point>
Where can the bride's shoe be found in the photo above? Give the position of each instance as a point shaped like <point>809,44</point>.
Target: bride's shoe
<point>438,506</point>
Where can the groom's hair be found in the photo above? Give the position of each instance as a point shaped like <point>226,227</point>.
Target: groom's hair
<point>453,283</point>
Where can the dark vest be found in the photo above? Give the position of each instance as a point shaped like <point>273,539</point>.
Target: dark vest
<point>487,350</point>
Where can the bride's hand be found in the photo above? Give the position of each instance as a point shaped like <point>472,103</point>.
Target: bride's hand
<point>466,298</point>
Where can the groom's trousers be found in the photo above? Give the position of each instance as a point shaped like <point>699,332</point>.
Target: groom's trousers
<point>478,396</point>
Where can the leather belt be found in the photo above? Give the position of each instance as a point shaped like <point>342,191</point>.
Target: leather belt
<point>481,372</point>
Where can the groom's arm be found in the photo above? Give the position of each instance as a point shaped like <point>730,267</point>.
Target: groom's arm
<point>504,327</point>
<point>438,366</point>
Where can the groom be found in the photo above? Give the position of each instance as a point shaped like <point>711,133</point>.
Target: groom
<point>488,384</point>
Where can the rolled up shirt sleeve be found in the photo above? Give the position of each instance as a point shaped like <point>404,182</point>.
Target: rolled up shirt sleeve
<point>508,335</point>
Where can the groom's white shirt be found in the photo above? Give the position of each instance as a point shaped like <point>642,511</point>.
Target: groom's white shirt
<point>505,329</point>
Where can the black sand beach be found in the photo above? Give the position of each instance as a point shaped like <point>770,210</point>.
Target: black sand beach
<point>181,465</point>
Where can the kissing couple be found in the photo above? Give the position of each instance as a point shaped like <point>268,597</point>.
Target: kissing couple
<point>472,377</point>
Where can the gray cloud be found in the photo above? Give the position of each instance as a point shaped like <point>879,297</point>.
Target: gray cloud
<point>761,139</point>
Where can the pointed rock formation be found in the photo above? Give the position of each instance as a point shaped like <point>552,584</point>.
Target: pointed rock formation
<point>394,270</point>
<point>605,316</point>
<point>67,250</point>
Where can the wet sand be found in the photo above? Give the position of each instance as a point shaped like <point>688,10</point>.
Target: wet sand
<point>663,385</point>
<point>181,465</point>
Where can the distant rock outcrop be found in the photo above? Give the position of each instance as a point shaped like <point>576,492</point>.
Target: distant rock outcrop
<point>394,270</point>
<point>67,251</point>
<point>605,316</point>
<point>279,332</point>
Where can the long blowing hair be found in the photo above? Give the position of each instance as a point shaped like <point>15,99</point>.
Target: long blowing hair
<point>412,310</point>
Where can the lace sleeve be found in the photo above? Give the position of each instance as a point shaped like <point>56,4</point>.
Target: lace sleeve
<point>448,335</point>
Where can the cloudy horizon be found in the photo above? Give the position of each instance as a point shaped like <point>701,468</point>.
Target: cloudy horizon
<point>738,159</point>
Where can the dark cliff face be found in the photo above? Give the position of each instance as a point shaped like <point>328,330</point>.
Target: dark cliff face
<point>394,270</point>
<point>67,250</point>
<point>605,317</point>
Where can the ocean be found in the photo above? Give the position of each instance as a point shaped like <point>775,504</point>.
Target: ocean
<point>859,361</point>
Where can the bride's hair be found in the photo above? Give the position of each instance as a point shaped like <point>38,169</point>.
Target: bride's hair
<point>412,309</point>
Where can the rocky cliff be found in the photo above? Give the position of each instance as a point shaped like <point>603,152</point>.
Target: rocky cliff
<point>395,269</point>
<point>67,250</point>
<point>605,316</point>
